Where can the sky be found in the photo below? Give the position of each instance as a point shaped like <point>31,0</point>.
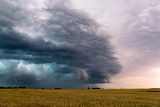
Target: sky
<point>134,28</point>
<point>80,43</point>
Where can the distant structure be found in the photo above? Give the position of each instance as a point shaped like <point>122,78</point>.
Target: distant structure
<point>57,88</point>
<point>96,88</point>
<point>22,87</point>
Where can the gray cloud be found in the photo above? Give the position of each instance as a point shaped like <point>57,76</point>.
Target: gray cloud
<point>142,37</point>
<point>134,26</point>
<point>66,41</point>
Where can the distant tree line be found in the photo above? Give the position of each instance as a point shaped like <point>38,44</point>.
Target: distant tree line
<point>10,87</point>
<point>56,88</point>
<point>95,88</point>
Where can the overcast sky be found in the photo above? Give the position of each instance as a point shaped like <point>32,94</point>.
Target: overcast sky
<point>135,30</point>
<point>74,43</point>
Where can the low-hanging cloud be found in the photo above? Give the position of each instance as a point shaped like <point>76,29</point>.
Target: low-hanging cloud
<point>51,44</point>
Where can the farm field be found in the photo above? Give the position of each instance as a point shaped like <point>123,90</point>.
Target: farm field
<point>79,98</point>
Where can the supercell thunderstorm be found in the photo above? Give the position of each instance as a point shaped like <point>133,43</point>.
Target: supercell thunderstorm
<point>52,45</point>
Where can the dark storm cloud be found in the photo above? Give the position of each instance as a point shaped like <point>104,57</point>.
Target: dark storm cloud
<point>68,39</point>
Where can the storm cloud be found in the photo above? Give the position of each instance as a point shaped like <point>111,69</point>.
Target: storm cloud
<point>51,44</point>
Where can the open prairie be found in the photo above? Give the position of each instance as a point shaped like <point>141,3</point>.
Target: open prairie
<point>79,98</point>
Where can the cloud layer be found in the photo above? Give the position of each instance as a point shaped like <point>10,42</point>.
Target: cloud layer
<point>51,44</point>
<point>134,26</point>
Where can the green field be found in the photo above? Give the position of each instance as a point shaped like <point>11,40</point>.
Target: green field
<point>80,98</point>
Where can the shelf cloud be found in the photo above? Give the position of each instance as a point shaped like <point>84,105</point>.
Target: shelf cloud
<point>52,44</point>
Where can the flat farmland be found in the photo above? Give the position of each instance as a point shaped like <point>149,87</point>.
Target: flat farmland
<point>80,98</point>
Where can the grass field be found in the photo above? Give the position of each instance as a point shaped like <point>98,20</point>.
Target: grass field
<point>80,98</point>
